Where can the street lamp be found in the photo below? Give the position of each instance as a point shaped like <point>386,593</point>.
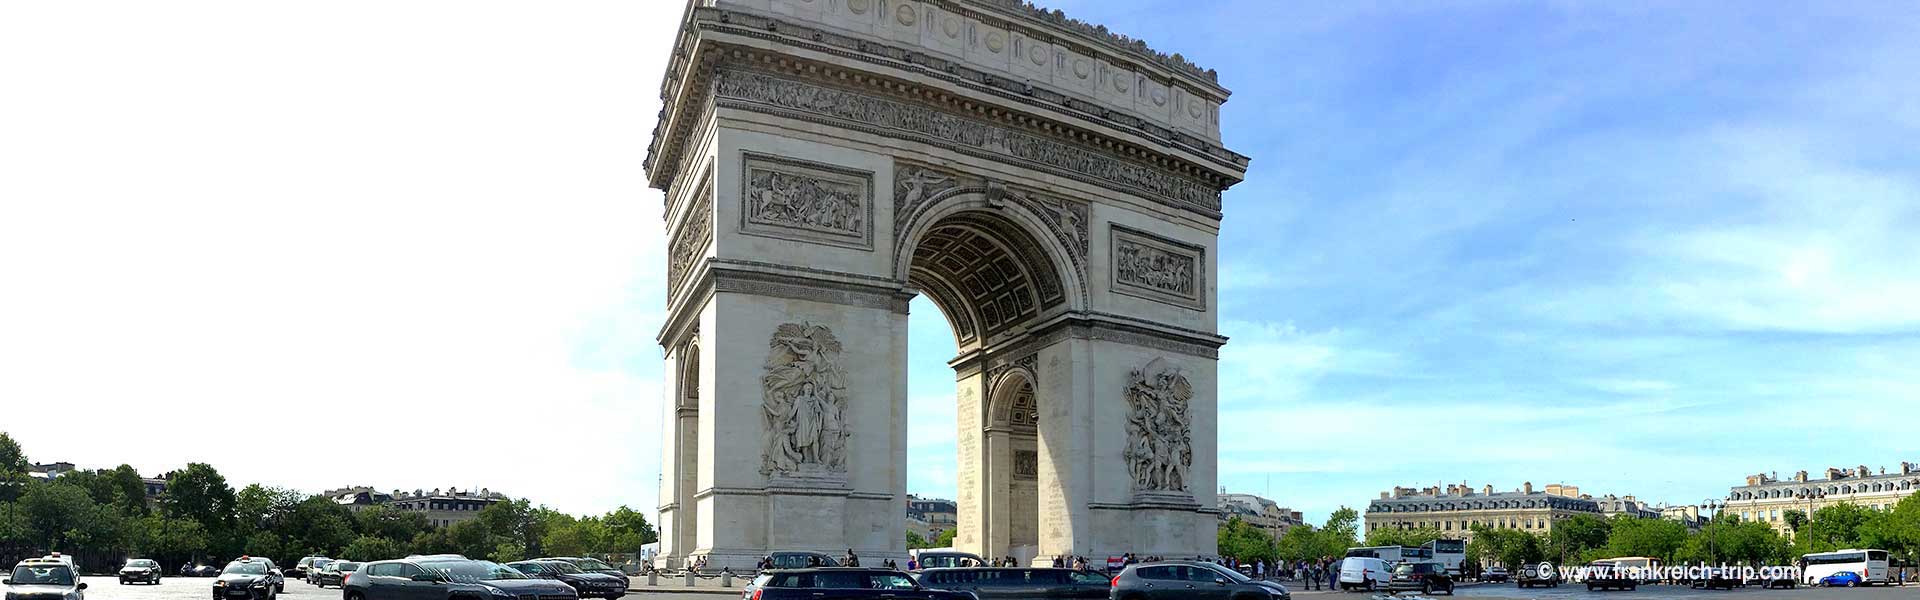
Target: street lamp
<point>1713,507</point>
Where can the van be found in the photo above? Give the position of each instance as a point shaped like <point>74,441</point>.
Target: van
<point>1359,572</point>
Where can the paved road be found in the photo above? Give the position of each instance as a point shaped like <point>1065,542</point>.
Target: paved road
<point>184,588</point>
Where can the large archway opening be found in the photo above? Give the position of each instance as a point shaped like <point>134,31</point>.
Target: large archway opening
<point>984,281</point>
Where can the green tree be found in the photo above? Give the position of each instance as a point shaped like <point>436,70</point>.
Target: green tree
<point>393,525</point>
<point>201,494</point>
<point>945,539</point>
<point>628,530</point>
<point>1300,542</point>
<point>1578,538</point>
<point>130,490</point>
<point>13,469</point>
<point>168,539</point>
<point>1393,536</point>
<point>1835,526</point>
<point>1508,547</point>
<point>1654,538</point>
<point>1796,520</point>
<point>54,508</point>
<point>1239,540</point>
<point>915,542</point>
<point>318,525</point>
<point>370,548</point>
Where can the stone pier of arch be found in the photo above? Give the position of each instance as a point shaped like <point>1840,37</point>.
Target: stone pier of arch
<point>1053,188</point>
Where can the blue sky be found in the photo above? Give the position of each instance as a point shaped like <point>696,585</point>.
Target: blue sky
<point>1641,247</point>
<point>1644,248</point>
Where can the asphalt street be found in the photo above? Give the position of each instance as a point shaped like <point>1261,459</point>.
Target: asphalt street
<point>187,588</point>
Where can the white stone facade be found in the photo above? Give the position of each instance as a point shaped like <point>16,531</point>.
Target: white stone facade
<point>827,160</point>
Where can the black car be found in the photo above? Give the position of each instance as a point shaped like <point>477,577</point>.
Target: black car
<point>1538,575</point>
<point>1603,575</point>
<point>140,570</point>
<point>947,559</point>
<point>591,565</point>
<point>849,583</point>
<point>199,571</point>
<point>447,578</point>
<point>587,585</point>
<point>1035,583</point>
<point>1494,574</point>
<point>1426,577</point>
<point>1190,580</point>
<point>247,579</point>
<point>335,573</point>
<point>798,560</point>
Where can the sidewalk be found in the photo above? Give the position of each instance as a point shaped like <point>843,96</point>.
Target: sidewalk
<point>708,587</point>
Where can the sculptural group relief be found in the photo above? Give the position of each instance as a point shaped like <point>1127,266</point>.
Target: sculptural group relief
<point>805,403</point>
<point>806,201</point>
<point>887,116</point>
<point>1156,268</point>
<point>1159,427</point>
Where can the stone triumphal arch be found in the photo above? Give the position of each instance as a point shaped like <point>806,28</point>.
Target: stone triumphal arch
<point>1052,187</point>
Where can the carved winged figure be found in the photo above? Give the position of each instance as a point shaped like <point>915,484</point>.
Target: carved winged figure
<point>804,387</point>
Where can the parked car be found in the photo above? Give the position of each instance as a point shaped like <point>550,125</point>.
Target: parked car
<point>948,559</point>
<point>191,570</point>
<point>1495,574</point>
<point>1363,573</point>
<point>312,573</point>
<point>800,560</point>
<point>1717,578</point>
<point>335,573</point>
<point>249,578</point>
<point>591,565</point>
<point>1841,579</point>
<point>1426,577</point>
<point>305,564</point>
<point>1779,581</point>
<point>141,570</point>
<point>1601,575</point>
<point>849,583</point>
<point>987,582</point>
<point>447,578</point>
<point>1182,580</point>
<point>586,585</point>
<point>1538,575</point>
<point>44,578</point>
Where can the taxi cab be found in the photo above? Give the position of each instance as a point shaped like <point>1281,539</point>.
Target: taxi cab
<point>47,578</point>
<point>248,578</point>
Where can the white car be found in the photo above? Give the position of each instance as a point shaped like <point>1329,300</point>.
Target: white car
<point>1359,572</point>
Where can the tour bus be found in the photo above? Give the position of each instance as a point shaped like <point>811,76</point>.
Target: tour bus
<point>1394,555</point>
<point>1449,553</point>
<point>1871,565</point>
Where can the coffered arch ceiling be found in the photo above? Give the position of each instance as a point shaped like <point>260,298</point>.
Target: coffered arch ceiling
<point>985,273</point>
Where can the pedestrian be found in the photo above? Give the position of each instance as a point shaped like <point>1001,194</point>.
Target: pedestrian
<point>913,563</point>
<point>1260,569</point>
<point>852,560</point>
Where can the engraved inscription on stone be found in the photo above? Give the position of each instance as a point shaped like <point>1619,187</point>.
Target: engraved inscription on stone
<point>1159,427</point>
<point>806,201</point>
<point>806,403</point>
<point>1148,266</point>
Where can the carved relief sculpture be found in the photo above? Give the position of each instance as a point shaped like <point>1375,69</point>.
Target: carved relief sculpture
<point>799,200</point>
<point>1159,428</point>
<point>1155,268</point>
<point>690,243</point>
<point>805,404</point>
<point>1026,464</point>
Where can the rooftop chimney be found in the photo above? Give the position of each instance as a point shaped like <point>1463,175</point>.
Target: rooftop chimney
<point>1835,474</point>
<point>1553,489</point>
<point>1527,487</point>
<point>1800,476</point>
<point>1906,468</point>
<point>1383,495</point>
<point>1488,490</point>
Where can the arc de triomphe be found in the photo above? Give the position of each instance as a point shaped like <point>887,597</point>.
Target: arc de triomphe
<point>1054,188</point>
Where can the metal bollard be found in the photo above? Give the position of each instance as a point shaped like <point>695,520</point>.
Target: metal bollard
<point>689,578</point>
<point>653,578</point>
<point>726,578</point>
